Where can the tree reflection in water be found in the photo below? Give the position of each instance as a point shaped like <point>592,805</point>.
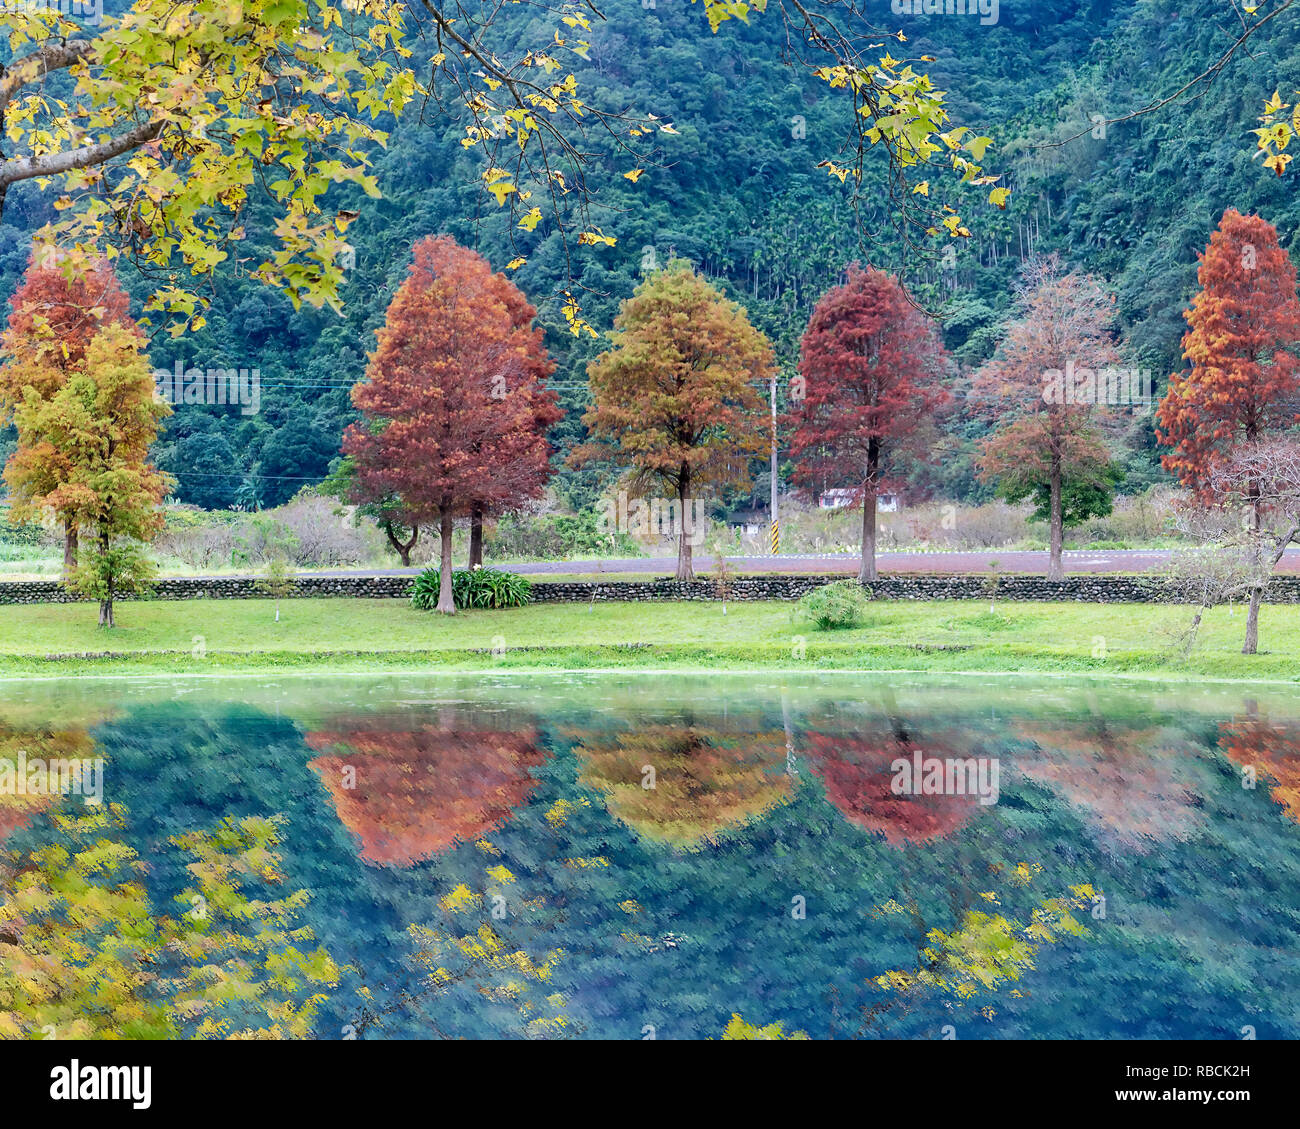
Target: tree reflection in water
<point>408,794</point>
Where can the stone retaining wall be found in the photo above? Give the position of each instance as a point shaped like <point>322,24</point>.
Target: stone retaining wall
<point>216,588</point>
<point>1092,589</point>
<point>1097,589</point>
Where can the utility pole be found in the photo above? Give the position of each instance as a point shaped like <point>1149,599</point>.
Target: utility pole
<point>776,527</point>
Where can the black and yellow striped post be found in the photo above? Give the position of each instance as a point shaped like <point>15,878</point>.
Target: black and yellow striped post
<point>776,526</point>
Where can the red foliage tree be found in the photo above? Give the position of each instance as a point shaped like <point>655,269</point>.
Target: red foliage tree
<point>453,404</point>
<point>872,366</point>
<point>1242,385</point>
<point>522,467</point>
<point>63,301</point>
<point>1047,434</point>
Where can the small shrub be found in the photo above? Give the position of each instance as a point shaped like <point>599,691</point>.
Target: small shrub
<point>277,581</point>
<point>473,588</point>
<point>838,605</point>
<point>493,588</point>
<point>325,537</point>
<point>557,537</point>
<point>991,582</point>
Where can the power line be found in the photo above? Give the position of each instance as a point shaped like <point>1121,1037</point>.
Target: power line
<point>296,386</point>
<point>264,477</point>
<point>282,382</point>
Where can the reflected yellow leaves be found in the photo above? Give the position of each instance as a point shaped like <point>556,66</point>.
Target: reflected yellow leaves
<point>685,785</point>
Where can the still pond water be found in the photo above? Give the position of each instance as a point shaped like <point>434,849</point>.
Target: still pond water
<point>647,856</point>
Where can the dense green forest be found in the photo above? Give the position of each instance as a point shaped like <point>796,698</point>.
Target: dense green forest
<point>739,193</point>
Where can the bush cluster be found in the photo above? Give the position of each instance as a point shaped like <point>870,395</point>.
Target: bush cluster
<point>837,605</point>
<point>472,588</point>
<point>551,537</point>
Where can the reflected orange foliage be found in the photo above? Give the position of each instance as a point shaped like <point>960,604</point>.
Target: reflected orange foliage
<point>16,811</point>
<point>1273,750</point>
<point>421,791</point>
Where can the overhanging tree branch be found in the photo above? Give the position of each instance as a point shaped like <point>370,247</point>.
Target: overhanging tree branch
<point>51,57</point>
<point>51,164</point>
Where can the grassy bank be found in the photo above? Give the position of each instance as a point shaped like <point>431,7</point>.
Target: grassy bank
<point>336,635</point>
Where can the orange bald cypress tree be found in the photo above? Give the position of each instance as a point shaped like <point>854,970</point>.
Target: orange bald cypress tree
<point>63,301</point>
<point>1243,381</point>
<point>422,791</point>
<point>1243,377</point>
<point>97,429</point>
<point>676,397</point>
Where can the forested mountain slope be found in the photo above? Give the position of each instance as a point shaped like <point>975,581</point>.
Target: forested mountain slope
<point>739,192</point>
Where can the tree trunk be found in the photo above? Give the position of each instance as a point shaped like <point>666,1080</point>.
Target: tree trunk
<point>106,607</point>
<point>867,572</point>
<point>106,604</point>
<point>446,604</point>
<point>1251,644</point>
<point>403,547</point>
<point>69,549</point>
<point>1055,569</point>
<point>475,536</point>
<point>1252,623</point>
<point>1193,631</point>
<point>685,571</point>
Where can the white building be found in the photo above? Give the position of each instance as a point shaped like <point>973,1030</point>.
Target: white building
<point>837,499</point>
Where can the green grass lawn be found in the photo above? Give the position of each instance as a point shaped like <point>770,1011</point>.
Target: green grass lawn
<point>349,634</point>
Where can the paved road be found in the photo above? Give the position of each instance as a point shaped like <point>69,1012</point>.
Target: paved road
<point>1085,560</point>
